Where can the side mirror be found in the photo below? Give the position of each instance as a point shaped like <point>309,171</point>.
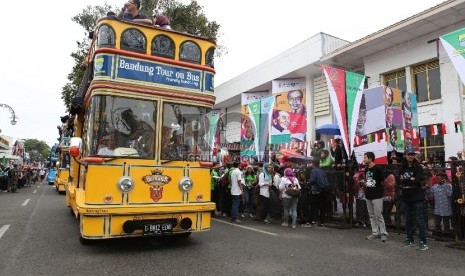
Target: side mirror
<point>75,147</point>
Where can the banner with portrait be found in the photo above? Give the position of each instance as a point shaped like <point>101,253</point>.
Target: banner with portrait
<point>289,114</point>
<point>387,121</point>
<point>250,122</point>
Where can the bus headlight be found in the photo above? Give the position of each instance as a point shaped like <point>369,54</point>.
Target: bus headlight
<point>185,184</point>
<point>125,184</point>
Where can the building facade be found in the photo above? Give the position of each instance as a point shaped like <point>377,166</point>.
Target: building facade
<point>406,55</point>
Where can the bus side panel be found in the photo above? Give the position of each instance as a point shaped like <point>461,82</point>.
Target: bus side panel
<point>102,181</point>
<point>201,189</point>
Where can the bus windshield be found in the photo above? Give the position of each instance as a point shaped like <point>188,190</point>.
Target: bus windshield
<point>118,126</point>
<point>185,131</point>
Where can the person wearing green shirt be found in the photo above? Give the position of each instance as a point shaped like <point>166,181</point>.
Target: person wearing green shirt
<point>325,160</point>
<point>249,181</point>
<point>214,190</point>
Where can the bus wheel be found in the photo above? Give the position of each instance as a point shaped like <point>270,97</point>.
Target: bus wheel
<point>84,241</point>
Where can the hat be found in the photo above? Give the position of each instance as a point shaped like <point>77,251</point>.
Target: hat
<point>409,151</point>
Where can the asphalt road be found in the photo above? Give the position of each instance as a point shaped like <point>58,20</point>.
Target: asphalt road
<point>38,236</point>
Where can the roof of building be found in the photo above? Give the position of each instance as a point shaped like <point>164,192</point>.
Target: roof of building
<point>428,24</point>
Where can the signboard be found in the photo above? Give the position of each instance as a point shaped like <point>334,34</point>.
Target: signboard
<point>152,73</point>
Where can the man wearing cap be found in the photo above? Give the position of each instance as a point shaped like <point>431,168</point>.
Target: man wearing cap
<point>413,196</point>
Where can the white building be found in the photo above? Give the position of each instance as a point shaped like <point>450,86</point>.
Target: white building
<point>403,55</point>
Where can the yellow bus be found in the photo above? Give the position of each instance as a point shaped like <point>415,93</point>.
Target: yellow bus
<point>140,134</point>
<point>62,175</point>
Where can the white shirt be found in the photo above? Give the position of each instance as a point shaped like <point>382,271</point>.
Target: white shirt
<point>285,183</point>
<point>264,190</point>
<point>236,176</point>
<point>105,151</point>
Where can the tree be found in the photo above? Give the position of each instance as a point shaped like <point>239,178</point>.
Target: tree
<point>38,150</point>
<point>188,18</point>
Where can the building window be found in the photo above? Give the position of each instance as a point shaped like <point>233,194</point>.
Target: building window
<point>133,40</point>
<point>106,36</point>
<point>190,52</point>
<point>427,81</point>
<point>209,56</point>
<point>396,80</point>
<point>163,46</point>
<point>432,146</point>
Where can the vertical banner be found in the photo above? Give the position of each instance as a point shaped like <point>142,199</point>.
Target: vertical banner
<point>289,114</point>
<point>250,123</point>
<point>345,91</point>
<point>410,121</point>
<point>266,107</point>
<point>213,134</point>
<point>354,91</point>
<point>454,44</point>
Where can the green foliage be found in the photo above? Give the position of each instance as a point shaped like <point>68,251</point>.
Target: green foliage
<point>188,18</point>
<point>38,150</point>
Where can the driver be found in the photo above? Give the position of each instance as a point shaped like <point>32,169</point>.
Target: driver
<point>107,146</point>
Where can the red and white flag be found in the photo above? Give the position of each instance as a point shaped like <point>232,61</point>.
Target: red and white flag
<point>434,129</point>
<point>443,128</point>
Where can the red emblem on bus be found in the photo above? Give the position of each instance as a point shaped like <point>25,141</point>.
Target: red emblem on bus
<point>156,193</point>
<point>156,181</point>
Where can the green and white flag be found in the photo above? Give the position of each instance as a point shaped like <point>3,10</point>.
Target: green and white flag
<point>454,44</point>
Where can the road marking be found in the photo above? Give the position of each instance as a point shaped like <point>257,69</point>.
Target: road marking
<point>3,230</point>
<point>246,227</point>
<point>25,202</point>
<point>35,191</point>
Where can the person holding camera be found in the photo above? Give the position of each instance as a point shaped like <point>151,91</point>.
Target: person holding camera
<point>130,11</point>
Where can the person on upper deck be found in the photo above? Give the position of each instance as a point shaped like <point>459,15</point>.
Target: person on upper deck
<point>130,11</point>
<point>160,20</point>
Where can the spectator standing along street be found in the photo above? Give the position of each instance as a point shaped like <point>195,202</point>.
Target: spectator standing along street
<point>374,191</point>
<point>413,197</point>
<point>236,192</point>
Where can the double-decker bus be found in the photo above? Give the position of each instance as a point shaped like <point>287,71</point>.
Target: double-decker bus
<point>139,132</point>
<point>62,174</point>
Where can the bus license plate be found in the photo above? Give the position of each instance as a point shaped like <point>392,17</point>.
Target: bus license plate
<point>158,229</point>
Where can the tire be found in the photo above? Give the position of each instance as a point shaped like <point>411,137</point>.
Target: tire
<point>84,241</point>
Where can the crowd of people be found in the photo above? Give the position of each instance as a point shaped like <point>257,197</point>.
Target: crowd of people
<point>16,177</point>
<point>308,194</point>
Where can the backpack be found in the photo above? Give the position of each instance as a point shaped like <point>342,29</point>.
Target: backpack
<point>224,181</point>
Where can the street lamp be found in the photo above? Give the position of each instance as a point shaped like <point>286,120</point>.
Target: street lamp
<point>13,116</point>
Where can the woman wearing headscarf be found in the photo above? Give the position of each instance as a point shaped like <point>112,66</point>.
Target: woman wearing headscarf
<point>289,202</point>
<point>265,180</point>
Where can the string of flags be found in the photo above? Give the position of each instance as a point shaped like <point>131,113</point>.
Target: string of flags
<point>422,132</point>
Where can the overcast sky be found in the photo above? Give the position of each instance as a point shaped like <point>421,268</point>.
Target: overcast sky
<point>38,37</point>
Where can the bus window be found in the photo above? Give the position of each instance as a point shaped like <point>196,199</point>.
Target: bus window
<point>121,127</point>
<point>106,36</point>
<point>65,159</point>
<point>184,132</point>
<point>190,52</point>
<point>163,46</point>
<point>209,57</point>
<point>133,40</point>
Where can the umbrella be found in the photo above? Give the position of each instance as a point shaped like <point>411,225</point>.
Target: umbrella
<point>287,152</point>
<point>300,159</point>
<point>331,129</point>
